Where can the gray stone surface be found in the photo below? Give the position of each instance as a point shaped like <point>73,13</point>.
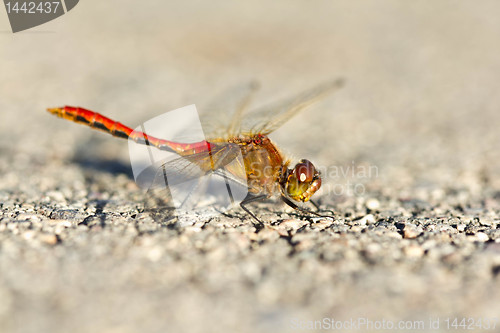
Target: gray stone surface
<point>421,105</point>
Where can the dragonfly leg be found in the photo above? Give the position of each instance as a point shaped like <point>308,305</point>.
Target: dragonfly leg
<point>318,209</point>
<point>316,206</point>
<point>304,210</point>
<point>249,199</point>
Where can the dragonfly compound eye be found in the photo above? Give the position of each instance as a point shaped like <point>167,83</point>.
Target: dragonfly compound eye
<point>305,171</point>
<point>303,181</point>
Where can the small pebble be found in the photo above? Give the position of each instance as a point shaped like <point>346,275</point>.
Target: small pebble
<point>357,228</point>
<point>28,217</point>
<point>372,204</point>
<point>268,234</point>
<point>373,248</point>
<point>414,251</point>
<point>292,225</point>
<point>482,237</point>
<point>410,231</point>
<point>49,239</point>
<point>367,219</point>
<point>28,235</point>
<point>155,253</point>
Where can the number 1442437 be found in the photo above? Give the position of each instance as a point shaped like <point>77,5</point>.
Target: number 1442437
<point>31,7</point>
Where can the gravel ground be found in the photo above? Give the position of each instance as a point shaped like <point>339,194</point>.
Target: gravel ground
<point>416,237</point>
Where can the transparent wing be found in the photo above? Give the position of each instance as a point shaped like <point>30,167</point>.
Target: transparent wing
<point>186,168</point>
<point>221,117</point>
<point>199,180</point>
<point>270,117</point>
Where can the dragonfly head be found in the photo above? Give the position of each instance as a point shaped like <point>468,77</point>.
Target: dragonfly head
<point>302,181</point>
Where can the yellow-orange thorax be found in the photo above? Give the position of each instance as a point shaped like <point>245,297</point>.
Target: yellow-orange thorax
<point>264,164</point>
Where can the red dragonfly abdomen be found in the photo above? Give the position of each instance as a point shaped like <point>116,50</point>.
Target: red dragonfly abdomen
<point>98,121</point>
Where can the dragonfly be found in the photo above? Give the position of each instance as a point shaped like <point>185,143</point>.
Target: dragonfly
<point>266,172</point>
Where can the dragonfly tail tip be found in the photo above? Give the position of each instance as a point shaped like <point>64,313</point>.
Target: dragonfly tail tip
<point>55,111</point>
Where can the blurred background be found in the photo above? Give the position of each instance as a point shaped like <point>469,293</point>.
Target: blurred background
<point>420,103</point>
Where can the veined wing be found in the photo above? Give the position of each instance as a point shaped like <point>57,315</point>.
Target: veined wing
<point>185,182</point>
<point>223,156</point>
<point>221,117</point>
<point>270,117</point>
